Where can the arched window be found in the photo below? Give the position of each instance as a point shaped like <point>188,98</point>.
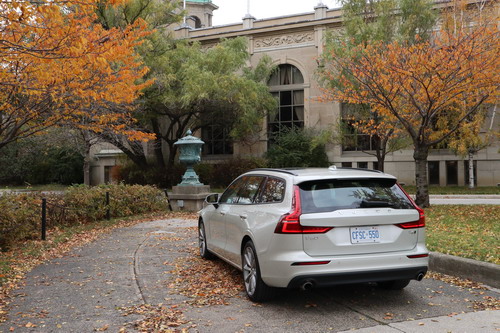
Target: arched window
<point>197,21</point>
<point>287,85</point>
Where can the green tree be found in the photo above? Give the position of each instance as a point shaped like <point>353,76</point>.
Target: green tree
<point>297,147</point>
<point>196,86</point>
<point>193,86</point>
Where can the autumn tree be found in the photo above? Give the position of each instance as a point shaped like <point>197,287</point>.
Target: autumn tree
<point>60,67</point>
<point>365,22</point>
<point>431,88</point>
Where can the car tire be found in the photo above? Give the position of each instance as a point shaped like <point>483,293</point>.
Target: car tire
<point>202,242</point>
<point>394,285</point>
<point>256,289</point>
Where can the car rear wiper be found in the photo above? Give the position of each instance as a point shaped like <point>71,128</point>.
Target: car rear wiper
<point>375,203</point>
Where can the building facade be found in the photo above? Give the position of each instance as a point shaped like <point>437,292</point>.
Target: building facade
<point>295,42</point>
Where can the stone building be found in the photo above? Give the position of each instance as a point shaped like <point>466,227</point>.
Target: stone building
<point>294,42</point>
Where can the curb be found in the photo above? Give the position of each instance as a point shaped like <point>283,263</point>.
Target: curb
<point>479,271</point>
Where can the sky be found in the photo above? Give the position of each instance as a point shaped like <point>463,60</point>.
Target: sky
<point>232,11</point>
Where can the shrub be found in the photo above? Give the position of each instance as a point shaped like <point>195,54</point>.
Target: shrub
<point>20,214</point>
<point>297,148</point>
<point>222,174</point>
<point>130,173</point>
<point>19,217</point>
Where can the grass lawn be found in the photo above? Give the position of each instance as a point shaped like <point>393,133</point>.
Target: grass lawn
<point>434,189</point>
<point>469,231</point>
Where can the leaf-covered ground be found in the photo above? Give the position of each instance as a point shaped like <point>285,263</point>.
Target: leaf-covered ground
<point>24,256</point>
<point>465,231</point>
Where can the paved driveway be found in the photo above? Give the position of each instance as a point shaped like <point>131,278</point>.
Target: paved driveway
<point>85,290</point>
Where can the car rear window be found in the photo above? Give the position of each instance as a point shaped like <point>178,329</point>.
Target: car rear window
<point>334,194</point>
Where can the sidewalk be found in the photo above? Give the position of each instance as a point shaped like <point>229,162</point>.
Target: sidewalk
<point>462,199</point>
<point>471,322</point>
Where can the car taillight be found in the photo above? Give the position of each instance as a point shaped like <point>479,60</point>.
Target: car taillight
<point>421,215</point>
<point>416,256</point>
<point>290,222</point>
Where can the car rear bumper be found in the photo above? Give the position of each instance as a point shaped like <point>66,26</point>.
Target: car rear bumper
<point>331,279</point>
<point>281,269</point>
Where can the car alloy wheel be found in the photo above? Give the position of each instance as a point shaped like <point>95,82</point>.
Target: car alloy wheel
<point>256,289</point>
<point>202,242</point>
<point>249,270</point>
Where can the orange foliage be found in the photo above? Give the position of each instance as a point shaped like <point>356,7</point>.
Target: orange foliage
<point>59,67</point>
<point>431,88</point>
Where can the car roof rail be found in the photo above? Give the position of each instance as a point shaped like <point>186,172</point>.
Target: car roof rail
<point>359,169</point>
<point>284,170</point>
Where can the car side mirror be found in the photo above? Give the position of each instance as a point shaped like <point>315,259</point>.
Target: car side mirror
<point>213,199</point>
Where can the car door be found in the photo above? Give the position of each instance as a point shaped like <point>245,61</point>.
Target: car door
<point>217,224</point>
<point>238,215</point>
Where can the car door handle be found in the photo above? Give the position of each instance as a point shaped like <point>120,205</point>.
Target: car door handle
<point>243,216</point>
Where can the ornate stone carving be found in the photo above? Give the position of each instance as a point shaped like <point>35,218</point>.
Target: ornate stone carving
<point>290,39</point>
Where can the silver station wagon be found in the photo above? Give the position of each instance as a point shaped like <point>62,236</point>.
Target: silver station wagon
<point>312,227</point>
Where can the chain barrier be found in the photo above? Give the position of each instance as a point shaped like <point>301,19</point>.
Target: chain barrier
<point>61,216</point>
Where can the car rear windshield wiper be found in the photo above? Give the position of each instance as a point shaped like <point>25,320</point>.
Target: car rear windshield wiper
<point>374,203</point>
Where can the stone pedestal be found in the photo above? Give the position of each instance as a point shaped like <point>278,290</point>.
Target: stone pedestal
<point>188,198</point>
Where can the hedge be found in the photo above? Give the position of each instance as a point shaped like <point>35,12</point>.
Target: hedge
<point>20,213</point>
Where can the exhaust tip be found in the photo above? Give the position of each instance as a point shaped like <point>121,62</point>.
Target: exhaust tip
<point>308,285</point>
<point>420,276</point>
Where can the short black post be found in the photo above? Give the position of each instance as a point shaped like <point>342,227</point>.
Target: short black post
<point>168,200</point>
<point>44,219</point>
<point>108,213</point>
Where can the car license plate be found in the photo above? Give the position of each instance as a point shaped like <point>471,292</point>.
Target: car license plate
<point>365,235</point>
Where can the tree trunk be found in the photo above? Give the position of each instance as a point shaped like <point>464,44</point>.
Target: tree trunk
<point>86,169</point>
<point>86,158</point>
<point>157,146</point>
<point>381,162</point>
<point>420,156</point>
<point>471,170</point>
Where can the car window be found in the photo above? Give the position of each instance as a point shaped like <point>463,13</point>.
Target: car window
<point>247,192</point>
<point>329,195</point>
<point>230,195</point>
<point>273,191</point>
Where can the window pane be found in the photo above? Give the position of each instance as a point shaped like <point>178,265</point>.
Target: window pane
<point>231,194</point>
<point>274,80</point>
<point>298,97</point>
<point>363,165</point>
<point>298,113</point>
<point>247,193</point>
<point>297,75</point>
<point>286,113</point>
<point>285,75</point>
<point>451,172</point>
<point>433,167</point>
<point>330,195</point>
<point>274,191</point>
<point>285,98</point>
